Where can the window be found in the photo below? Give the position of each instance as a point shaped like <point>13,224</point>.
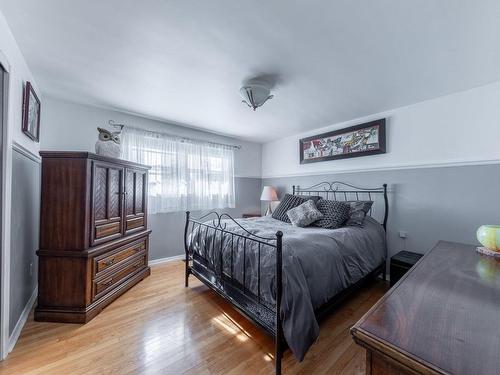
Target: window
<point>185,174</point>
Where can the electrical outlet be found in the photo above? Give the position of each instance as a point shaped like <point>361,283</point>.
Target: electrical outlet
<point>31,268</point>
<point>403,234</point>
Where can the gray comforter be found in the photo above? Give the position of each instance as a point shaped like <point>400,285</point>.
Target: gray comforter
<point>317,264</point>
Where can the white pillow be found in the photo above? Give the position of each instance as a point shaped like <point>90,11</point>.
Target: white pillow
<point>304,215</point>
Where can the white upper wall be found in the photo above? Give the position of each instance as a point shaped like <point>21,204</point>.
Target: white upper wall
<point>19,73</point>
<point>69,126</point>
<point>458,128</point>
<point>184,61</point>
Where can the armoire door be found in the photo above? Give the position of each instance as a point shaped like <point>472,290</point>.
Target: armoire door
<point>135,200</point>
<point>107,202</point>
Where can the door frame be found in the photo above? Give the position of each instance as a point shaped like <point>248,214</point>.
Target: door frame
<point>5,70</point>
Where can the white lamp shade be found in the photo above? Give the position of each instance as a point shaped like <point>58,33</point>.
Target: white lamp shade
<point>269,194</point>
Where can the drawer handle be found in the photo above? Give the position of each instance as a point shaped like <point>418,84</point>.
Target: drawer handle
<point>110,262</point>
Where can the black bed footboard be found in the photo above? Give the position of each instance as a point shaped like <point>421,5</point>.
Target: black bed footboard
<point>210,249</point>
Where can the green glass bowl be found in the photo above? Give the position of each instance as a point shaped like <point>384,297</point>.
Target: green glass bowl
<point>489,236</point>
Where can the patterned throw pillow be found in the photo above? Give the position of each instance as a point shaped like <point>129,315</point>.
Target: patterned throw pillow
<point>305,214</point>
<point>357,213</point>
<point>335,213</point>
<point>288,202</point>
<point>314,198</point>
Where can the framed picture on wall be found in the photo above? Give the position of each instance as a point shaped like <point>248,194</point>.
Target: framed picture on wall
<point>31,113</point>
<point>360,140</point>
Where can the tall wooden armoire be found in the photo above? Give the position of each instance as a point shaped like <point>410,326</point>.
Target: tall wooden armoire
<point>93,234</point>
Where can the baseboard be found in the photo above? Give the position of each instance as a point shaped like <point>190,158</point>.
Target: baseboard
<point>164,260</point>
<point>22,320</point>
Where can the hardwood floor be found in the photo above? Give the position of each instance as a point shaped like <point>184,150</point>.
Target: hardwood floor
<point>160,327</point>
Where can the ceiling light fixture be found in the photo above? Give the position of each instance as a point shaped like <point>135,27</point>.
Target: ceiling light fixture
<point>255,93</point>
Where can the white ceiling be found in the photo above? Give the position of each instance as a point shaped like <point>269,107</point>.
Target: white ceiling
<point>183,61</point>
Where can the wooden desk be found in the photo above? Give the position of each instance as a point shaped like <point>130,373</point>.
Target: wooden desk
<point>442,317</point>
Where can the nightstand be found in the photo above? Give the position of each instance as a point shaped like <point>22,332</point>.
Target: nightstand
<point>246,216</point>
<point>401,263</point>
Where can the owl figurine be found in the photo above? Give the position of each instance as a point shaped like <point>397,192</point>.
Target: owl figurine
<point>108,143</point>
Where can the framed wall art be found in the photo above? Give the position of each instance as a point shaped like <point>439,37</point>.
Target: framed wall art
<point>31,113</point>
<point>360,140</point>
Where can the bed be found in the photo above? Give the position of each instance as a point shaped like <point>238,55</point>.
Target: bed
<point>285,278</point>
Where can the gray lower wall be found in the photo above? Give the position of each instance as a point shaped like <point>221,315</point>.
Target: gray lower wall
<point>431,204</point>
<point>25,218</point>
<point>168,229</point>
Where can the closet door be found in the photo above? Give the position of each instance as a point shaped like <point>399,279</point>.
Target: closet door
<point>107,202</point>
<point>136,182</point>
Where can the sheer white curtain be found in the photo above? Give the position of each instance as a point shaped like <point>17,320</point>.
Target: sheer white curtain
<point>185,174</point>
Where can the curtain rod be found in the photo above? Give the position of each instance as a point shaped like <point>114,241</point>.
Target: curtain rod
<point>121,126</point>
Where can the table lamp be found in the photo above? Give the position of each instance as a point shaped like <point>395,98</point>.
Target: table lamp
<point>269,195</point>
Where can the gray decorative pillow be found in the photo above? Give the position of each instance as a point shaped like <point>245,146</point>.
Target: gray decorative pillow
<point>335,213</point>
<point>305,214</point>
<point>357,213</point>
<point>288,202</point>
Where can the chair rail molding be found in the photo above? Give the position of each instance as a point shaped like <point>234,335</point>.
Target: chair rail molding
<point>25,152</point>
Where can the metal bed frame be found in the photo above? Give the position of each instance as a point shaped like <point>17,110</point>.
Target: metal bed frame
<point>252,305</point>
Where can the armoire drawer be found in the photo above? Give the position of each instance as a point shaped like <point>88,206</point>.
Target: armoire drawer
<point>107,230</point>
<point>134,223</point>
<point>105,284</point>
<point>117,257</point>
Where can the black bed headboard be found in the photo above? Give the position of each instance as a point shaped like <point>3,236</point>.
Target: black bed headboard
<point>341,191</point>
